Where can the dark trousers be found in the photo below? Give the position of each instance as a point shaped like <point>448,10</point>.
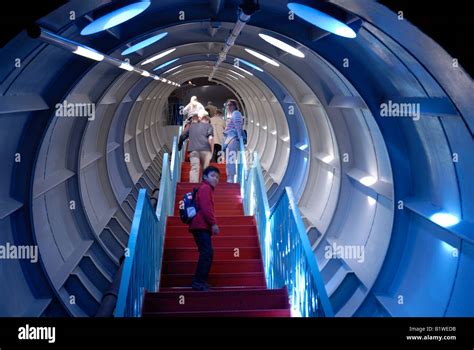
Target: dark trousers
<point>215,155</point>
<point>206,253</point>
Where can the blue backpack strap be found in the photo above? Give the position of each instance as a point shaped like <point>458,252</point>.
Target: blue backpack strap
<point>195,190</point>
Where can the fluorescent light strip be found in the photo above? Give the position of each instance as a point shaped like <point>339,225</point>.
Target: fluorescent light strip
<point>177,72</point>
<point>263,57</point>
<point>281,45</point>
<point>88,53</point>
<point>166,64</point>
<point>172,69</point>
<point>240,75</point>
<point>250,64</point>
<point>322,20</point>
<point>157,57</point>
<point>144,43</point>
<point>116,17</point>
<point>243,70</point>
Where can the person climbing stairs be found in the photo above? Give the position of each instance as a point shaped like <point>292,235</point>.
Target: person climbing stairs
<point>237,280</point>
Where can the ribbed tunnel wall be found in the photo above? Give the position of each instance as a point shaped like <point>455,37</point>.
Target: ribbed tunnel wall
<point>74,189</point>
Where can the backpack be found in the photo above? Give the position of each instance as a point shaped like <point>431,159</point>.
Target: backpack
<point>188,207</point>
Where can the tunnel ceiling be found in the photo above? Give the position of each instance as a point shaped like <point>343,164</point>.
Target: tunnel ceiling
<point>360,179</point>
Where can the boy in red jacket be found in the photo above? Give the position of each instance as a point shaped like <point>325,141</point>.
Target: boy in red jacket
<point>203,226</point>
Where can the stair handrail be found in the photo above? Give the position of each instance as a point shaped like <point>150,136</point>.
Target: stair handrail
<point>286,252</point>
<point>170,175</point>
<point>144,252</point>
<point>241,167</point>
<point>301,273</point>
<point>176,157</point>
<point>141,256</point>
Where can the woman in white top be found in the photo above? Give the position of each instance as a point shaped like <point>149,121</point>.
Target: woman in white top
<point>193,107</point>
<point>232,133</point>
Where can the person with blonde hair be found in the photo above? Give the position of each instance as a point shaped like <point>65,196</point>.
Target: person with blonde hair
<point>194,106</point>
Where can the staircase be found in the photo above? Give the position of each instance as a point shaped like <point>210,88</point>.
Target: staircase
<point>238,286</point>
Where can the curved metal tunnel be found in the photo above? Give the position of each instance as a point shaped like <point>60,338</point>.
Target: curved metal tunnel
<point>69,185</point>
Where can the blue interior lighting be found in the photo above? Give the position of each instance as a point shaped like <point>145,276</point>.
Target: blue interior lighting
<point>444,219</point>
<point>250,65</point>
<point>115,17</point>
<point>166,64</point>
<point>144,43</point>
<point>321,20</point>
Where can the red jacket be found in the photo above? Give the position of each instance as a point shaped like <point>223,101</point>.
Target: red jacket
<point>205,217</point>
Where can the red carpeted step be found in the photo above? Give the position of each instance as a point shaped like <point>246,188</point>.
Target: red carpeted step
<point>219,199</point>
<point>237,275</point>
<point>186,178</point>
<point>223,185</point>
<point>225,230</point>
<point>217,300</point>
<point>218,266</point>
<point>186,168</point>
<point>230,253</point>
<point>217,242</point>
<point>222,212</point>
<point>221,205</point>
<point>220,166</point>
<point>247,279</point>
<point>218,192</point>
<point>226,313</point>
<point>222,220</point>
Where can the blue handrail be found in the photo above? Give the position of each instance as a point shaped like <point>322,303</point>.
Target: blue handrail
<point>241,166</point>
<point>286,252</point>
<point>141,255</point>
<point>170,175</point>
<point>294,263</point>
<point>144,253</point>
